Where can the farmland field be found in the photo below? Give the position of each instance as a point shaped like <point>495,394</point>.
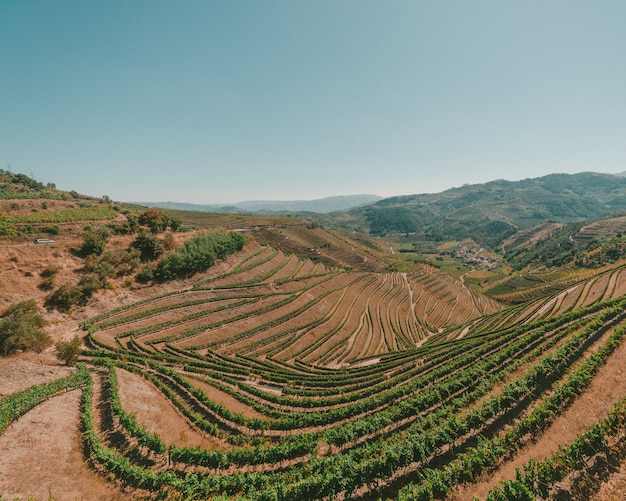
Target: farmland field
<point>279,377</point>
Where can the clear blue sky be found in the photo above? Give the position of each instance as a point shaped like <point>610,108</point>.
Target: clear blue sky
<point>222,101</point>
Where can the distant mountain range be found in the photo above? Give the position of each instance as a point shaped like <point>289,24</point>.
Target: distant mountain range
<point>322,205</point>
<point>489,213</point>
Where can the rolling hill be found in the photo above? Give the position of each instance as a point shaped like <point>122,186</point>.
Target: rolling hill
<point>234,356</point>
<point>492,212</point>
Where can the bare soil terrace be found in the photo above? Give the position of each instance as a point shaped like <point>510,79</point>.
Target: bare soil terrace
<point>41,454</point>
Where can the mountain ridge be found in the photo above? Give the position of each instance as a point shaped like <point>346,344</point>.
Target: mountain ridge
<point>490,212</point>
<point>320,205</point>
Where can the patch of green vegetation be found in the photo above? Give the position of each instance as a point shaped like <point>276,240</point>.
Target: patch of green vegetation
<point>491,212</point>
<point>198,254</point>
<point>94,240</point>
<point>69,351</point>
<point>48,277</point>
<point>557,249</point>
<point>21,328</point>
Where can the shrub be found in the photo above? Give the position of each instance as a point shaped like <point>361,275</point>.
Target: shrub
<point>154,219</point>
<point>68,351</point>
<point>198,254</point>
<point>51,230</point>
<point>145,275</point>
<point>94,240</point>
<point>48,277</point>
<point>113,264</point>
<point>131,224</point>
<point>88,284</point>
<point>7,228</point>
<point>157,221</point>
<point>21,328</point>
<point>169,242</point>
<point>23,179</point>
<point>148,245</point>
<point>66,296</point>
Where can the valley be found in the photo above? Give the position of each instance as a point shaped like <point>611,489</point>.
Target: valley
<point>312,360</point>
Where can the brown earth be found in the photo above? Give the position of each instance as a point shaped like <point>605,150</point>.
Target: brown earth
<point>607,388</point>
<point>41,454</point>
<point>154,411</point>
<point>41,457</point>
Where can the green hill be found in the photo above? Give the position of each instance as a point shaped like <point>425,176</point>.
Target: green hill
<point>491,212</point>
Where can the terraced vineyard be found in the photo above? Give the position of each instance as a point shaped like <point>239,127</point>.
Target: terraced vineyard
<point>279,307</point>
<point>290,379</point>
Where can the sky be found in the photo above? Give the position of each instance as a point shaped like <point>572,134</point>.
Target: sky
<point>209,101</point>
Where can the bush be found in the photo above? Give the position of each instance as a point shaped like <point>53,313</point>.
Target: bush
<point>68,351</point>
<point>145,275</point>
<point>198,254</point>
<point>154,219</point>
<point>65,297</point>
<point>149,246</point>
<point>158,222</point>
<point>88,284</point>
<point>113,264</point>
<point>94,240</point>
<point>48,277</point>
<point>7,228</point>
<point>169,242</point>
<point>21,328</point>
<point>51,230</point>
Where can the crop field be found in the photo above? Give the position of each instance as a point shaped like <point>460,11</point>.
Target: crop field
<point>281,377</point>
<point>278,306</point>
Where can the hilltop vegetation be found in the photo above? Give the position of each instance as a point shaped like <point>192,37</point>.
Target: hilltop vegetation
<point>491,212</point>
<point>234,356</point>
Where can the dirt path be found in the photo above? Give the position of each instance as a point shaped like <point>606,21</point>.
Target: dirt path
<point>41,457</point>
<point>608,386</point>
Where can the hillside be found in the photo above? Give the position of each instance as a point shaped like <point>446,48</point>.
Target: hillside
<point>230,356</point>
<point>492,212</point>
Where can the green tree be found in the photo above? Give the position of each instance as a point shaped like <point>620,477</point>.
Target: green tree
<point>94,240</point>
<point>154,219</point>
<point>148,245</point>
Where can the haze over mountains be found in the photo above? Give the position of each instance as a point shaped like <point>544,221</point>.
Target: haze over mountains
<point>322,205</point>
<point>588,184</point>
<point>489,213</point>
